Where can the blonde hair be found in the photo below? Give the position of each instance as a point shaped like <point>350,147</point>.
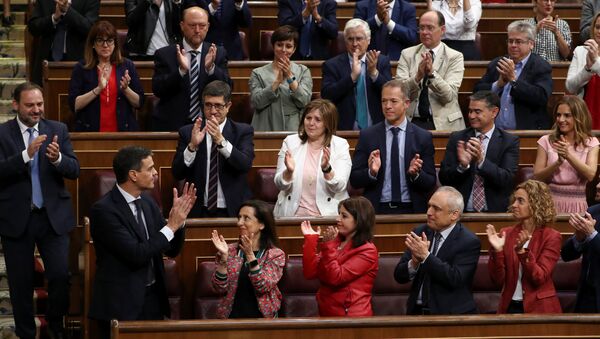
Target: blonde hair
<point>581,117</point>
<point>541,204</point>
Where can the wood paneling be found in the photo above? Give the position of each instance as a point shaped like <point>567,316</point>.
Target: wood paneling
<point>477,326</point>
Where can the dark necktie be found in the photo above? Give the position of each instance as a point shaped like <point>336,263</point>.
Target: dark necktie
<point>194,86</point>
<point>426,279</point>
<point>305,35</point>
<point>144,230</point>
<point>395,159</point>
<point>424,112</point>
<point>219,10</point>
<point>37,199</point>
<point>213,177</point>
<point>58,45</point>
<point>478,189</point>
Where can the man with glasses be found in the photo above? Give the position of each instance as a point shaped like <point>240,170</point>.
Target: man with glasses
<point>61,27</point>
<point>216,156</point>
<point>433,73</point>
<point>353,80</point>
<point>182,71</point>
<point>522,79</point>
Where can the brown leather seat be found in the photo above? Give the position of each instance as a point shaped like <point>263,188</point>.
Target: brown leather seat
<point>264,45</point>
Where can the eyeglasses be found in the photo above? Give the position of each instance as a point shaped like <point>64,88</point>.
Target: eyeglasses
<point>516,41</point>
<point>219,107</point>
<point>548,1</point>
<point>353,39</point>
<point>108,42</point>
<point>426,28</point>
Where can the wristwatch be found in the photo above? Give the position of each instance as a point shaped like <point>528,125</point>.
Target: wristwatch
<point>222,144</point>
<point>290,80</point>
<point>513,83</point>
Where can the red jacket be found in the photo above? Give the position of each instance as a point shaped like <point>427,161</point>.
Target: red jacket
<point>264,282</point>
<point>538,261</point>
<point>346,276</point>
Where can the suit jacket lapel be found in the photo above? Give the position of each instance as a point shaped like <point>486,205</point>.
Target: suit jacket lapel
<point>493,149</point>
<point>447,244</point>
<point>382,148</point>
<point>17,136</point>
<point>396,12</point>
<point>124,209</point>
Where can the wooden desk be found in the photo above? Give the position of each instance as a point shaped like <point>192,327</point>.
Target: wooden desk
<point>476,326</point>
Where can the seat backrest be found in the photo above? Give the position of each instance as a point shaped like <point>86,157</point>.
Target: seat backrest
<point>174,287</point>
<point>338,45</point>
<point>264,45</point>
<point>206,298</point>
<point>389,297</point>
<point>299,294</point>
<point>264,185</point>
<point>244,42</point>
<point>122,40</point>
<point>104,180</point>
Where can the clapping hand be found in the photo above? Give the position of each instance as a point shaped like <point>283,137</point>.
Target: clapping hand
<point>53,149</point>
<point>182,60</point>
<point>416,164</point>
<point>592,52</point>
<point>418,246</point>
<point>496,240</point>
<point>221,245</point>
<point>584,225</point>
<point>330,233</point>
<point>506,69</point>
<point>125,80</point>
<point>522,238</point>
<point>464,157</point>
<point>307,229</point>
<point>374,162</point>
<point>209,59</point>
<point>181,206</point>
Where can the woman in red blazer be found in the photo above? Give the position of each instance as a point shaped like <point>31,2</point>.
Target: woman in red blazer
<point>522,257</point>
<point>347,263</point>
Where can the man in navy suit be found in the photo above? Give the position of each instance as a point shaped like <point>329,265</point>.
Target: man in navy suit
<point>226,19</point>
<point>393,160</point>
<point>522,79</point>
<point>393,23</point>
<point>342,75</point>
<point>316,23</point>
<point>130,236</point>
<point>36,208</point>
<point>482,159</point>
<point>174,72</point>
<point>440,259</point>
<point>222,150</point>
<point>585,243</point>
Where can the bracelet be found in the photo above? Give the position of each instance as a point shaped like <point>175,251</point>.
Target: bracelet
<point>252,263</point>
<point>327,169</point>
<point>94,93</point>
<point>290,80</point>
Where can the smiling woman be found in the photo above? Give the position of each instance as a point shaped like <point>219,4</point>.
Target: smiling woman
<point>313,166</point>
<point>567,158</point>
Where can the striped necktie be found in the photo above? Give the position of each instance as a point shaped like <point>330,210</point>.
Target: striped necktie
<point>194,86</point>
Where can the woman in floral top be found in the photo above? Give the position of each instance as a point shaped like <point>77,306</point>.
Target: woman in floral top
<point>248,271</point>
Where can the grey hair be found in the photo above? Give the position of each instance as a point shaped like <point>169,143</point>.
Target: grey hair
<point>355,23</point>
<point>522,26</point>
<point>455,199</point>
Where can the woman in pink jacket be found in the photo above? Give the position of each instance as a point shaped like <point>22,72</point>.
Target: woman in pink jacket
<point>347,262</point>
<point>248,271</point>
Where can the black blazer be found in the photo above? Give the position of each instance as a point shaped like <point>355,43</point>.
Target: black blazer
<point>531,93</point>
<point>79,20</point>
<point>233,171</point>
<point>224,30</point>
<point>173,90</point>
<point>340,89</point>
<point>498,170</point>
<point>591,259</point>
<point>142,18</point>
<point>290,13</point>
<point>417,140</point>
<point>15,179</point>
<point>449,274</point>
<point>123,255</point>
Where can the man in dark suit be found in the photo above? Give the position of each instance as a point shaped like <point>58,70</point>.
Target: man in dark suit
<point>216,157</point>
<point>523,80</point>
<point>481,161</point>
<point>393,24</point>
<point>342,76</point>
<point>585,243</point>
<point>143,17</point>
<point>181,72</point>
<point>440,259</point>
<point>226,18</point>
<point>61,27</point>
<point>130,236</point>
<point>393,160</point>
<point>36,208</point>
<point>316,23</point>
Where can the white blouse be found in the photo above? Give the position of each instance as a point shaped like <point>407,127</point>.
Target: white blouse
<point>462,25</point>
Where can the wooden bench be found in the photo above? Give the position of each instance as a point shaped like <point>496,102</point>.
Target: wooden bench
<point>476,326</point>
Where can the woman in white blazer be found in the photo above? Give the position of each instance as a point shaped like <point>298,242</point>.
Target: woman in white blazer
<point>313,166</point>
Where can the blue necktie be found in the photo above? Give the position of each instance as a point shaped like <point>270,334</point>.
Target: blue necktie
<point>395,158</point>
<point>362,110</point>
<point>194,86</point>
<point>36,188</point>
<point>305,35</point>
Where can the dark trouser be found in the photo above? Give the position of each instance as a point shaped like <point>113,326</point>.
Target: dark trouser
<point>216,213</point>
<point>421,310</point>
<point>515,307</point>
<point>586,299</point>
<point>151,310</point>
<point>467,47</point>
<point>18,253</point>
<point>424,123</point>
<point>395,208</point>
